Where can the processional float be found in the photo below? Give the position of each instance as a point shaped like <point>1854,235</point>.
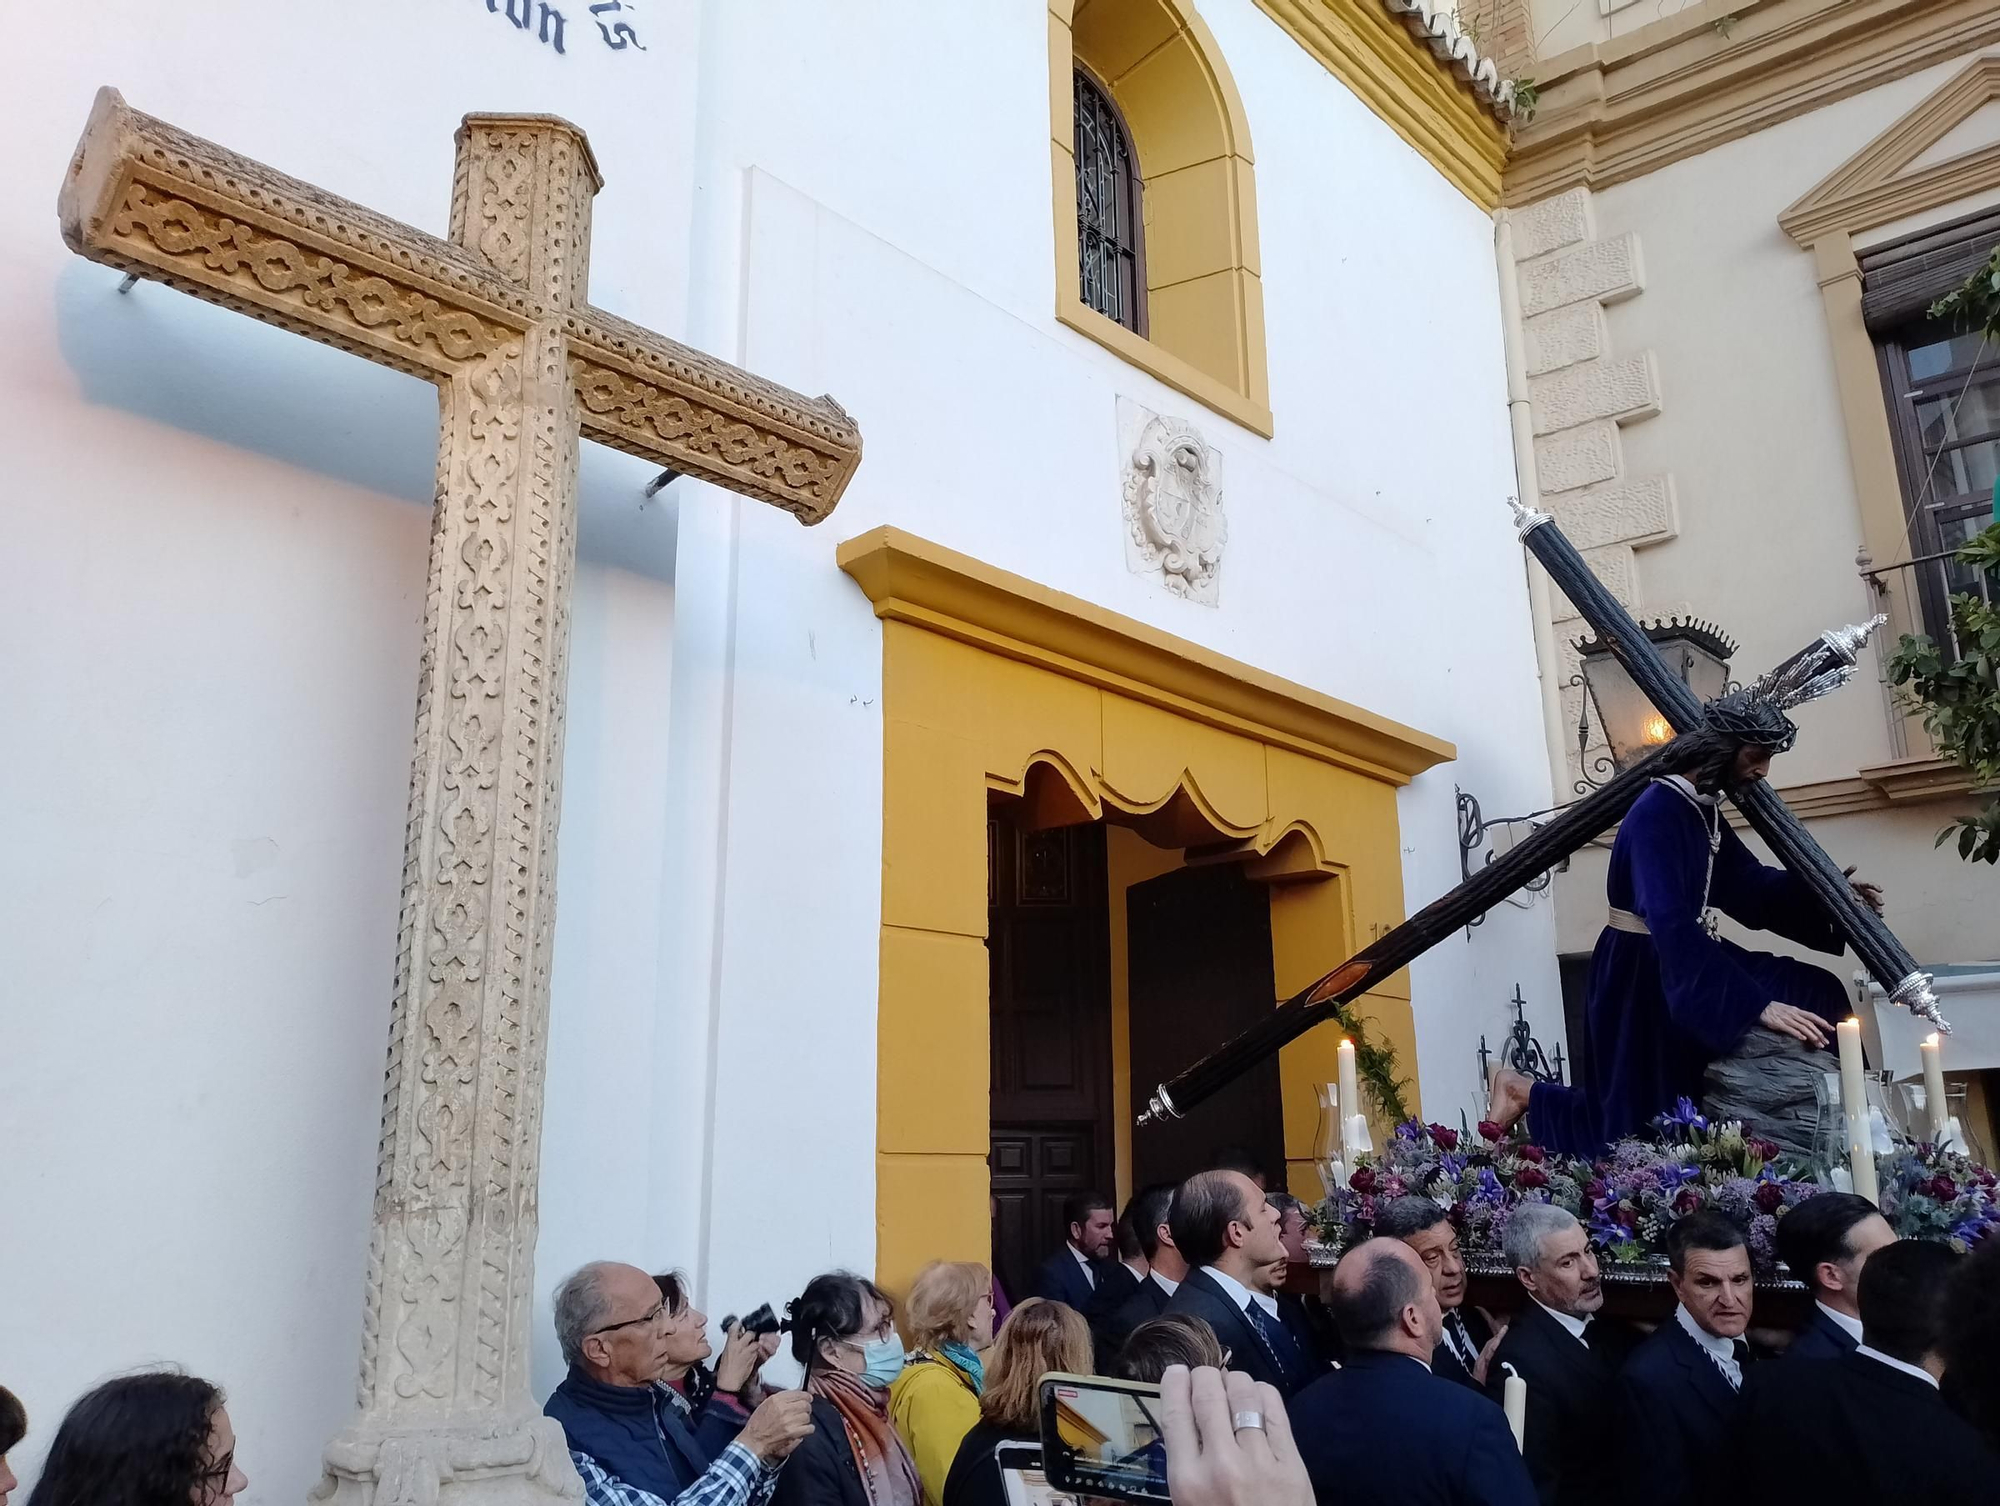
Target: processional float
<point>1825,663</point>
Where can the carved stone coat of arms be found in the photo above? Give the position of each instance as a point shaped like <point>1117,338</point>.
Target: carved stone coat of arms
<point>1172,486</point>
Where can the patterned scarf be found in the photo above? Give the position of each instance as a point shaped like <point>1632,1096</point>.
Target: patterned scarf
<point>968,1363</point>
<point>886,1471</point>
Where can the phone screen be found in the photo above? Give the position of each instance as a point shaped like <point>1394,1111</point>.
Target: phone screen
<point>1022,1480</point>
<point>1102,1438</point>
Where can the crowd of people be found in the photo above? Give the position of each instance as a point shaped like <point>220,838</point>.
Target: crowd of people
<point>1385,1387</point>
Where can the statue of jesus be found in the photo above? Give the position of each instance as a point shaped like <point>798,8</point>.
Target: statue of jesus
<point>1667,995</point>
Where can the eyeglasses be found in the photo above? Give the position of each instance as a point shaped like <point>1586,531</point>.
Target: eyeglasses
<point>659,1311</point>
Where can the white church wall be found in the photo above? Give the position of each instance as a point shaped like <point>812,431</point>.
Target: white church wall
<point>1369,551</point>
<point>862,210</point>
<point>214,552</point>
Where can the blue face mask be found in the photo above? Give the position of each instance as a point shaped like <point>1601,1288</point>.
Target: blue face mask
<point>882,1361</point>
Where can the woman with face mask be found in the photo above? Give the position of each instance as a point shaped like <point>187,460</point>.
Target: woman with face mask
<point>844,1334</point>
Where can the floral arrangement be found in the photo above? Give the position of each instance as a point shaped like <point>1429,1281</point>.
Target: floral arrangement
<point>1927,1193</point>
<point>1631,1196</point>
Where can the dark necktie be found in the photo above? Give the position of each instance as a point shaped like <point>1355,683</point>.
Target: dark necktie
<point>1277,1341</point>
<point>1741,1350</point>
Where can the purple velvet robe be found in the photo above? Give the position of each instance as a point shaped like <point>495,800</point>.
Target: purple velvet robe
<point>1661,1007</point>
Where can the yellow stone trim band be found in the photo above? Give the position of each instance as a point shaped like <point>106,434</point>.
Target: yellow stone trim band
<point>910,579</point>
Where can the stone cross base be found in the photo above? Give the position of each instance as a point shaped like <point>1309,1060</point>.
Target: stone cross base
<point>475,1459</point>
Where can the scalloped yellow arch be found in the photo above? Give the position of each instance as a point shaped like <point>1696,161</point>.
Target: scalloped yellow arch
<point>992,685</point>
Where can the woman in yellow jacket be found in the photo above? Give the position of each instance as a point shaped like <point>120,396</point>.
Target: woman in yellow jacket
<point>934,1403</point>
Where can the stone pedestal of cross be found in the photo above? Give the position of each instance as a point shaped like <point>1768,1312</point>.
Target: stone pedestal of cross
<point>496,316</point>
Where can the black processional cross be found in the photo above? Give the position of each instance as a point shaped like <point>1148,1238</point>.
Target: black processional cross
<point>1827,661</point>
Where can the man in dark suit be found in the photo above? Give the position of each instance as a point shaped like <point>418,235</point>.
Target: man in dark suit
<point>1568,1356</point>
<point>1071,1274</point>
<point>1824,1242</point>
<point>1466,1350</point>
<point>1383,1430</point>
<point>1165,1271</point>
<point>1869,1426</point>
<point>1677,1396</point>
<point>1304,1314</point>
<point>1228,1234</point>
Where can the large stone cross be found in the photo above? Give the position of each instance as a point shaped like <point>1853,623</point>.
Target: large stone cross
<point>496,316</point>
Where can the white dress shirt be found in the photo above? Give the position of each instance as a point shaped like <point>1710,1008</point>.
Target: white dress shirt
<point>1089,1271</point>
<point>1240,1294</point>
<point>1721,1350</point>
<point>1895,1364</point>
<point>1166,1284</point>
<point>1569,1321</point>
<point>1851,1325</point>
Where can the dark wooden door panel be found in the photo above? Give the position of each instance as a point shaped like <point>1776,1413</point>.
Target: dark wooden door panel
<point>1200,968</point>
<point>1048,937</point>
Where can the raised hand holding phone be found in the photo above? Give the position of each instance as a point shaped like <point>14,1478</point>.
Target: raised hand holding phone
<point>1228,1441</point>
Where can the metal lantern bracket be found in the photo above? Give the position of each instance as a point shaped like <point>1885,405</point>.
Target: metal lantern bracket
<point>1472,830</point>
<point>1522,1051</point>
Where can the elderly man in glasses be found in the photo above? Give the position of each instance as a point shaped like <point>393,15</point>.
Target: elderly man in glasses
<point>626,1433</point>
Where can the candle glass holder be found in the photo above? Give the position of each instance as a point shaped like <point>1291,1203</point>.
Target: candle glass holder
<point>1903,1106</point>
<point>1829,1134</point>
<point>1326,1138</point>
<point>1957,1104</point>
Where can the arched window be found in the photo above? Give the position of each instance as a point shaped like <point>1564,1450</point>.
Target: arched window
<point>1109,246</point>
<point>1153,187</point>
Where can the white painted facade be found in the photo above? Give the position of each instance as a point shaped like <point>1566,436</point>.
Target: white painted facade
<point>214,551</point>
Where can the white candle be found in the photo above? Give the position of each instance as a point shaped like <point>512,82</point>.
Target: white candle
<point>1854,1108</point>
<point>1934,1106</point>
<point>1861,1161</point>
<point>1514,1402</point>
<point>1350,1101</point>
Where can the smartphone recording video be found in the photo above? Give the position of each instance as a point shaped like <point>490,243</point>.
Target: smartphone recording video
<point>1102,1438</point>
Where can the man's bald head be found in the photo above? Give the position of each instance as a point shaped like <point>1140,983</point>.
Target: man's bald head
<point>1382,1298</point>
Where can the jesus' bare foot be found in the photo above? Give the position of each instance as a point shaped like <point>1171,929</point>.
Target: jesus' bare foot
<point>1509,1098</point>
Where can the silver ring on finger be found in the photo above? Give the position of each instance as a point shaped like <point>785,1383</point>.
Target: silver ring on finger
<point>1244,1421</point>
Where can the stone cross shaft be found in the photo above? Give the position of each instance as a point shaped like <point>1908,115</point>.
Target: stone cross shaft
<point>497,317</point>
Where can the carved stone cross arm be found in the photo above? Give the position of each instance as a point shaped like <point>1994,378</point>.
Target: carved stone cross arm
<point>154,201</point>
<point>497,317</point>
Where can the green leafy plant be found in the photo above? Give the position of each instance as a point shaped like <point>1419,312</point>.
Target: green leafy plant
<point>1375,1066</point>
<point>1527,96</point>
<point>1959,699</point>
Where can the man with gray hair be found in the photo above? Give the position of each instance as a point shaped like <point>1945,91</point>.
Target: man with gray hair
<point>1470,1336</point>
<point>1568,1355</point>
<point>627,1441</point>
<point>1383,1430</point>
